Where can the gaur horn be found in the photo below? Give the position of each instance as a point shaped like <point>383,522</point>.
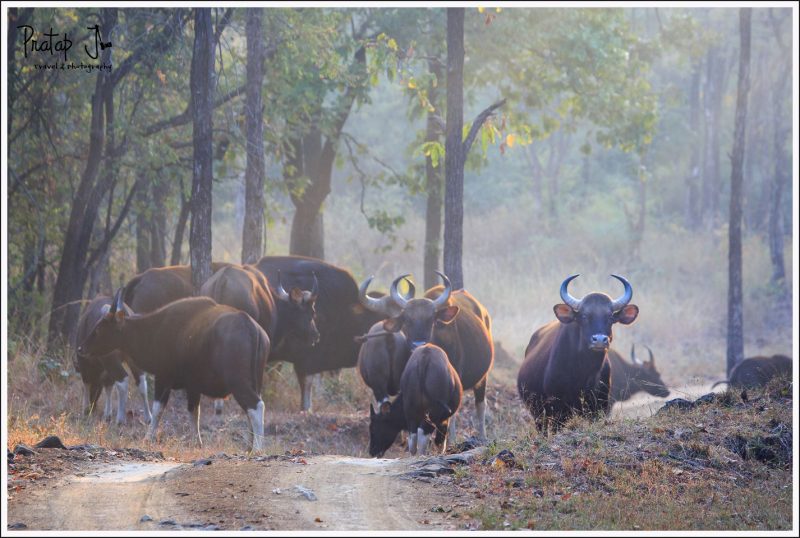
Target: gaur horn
<point>117,304</point>
<point>382,305</point>
<point>633,355</point>
<point>315,288</point>
<point>568,299</point>
<point>626,297</point>
<point>650,352</point>
<point>282,295</point>
<point>445,296</point>
<point>398,299</point>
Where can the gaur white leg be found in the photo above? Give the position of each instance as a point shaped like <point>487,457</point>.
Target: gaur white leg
<point>218,405</point>
<point>480,412</point>
<point>157,410</point>
<point>196,422</point>
<point>143,391</point>
<point>108,404</point>
<point>422,441</point>
<point>86,404</point>
<point>451,429</point>
<point>256,417</point>
<point>307,394</point>
<point>444,444</point>
<point>122,403</point>
<point>412,443</point>
<point>376,405</point>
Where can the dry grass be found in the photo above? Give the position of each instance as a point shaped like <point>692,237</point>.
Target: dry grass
<point>697,469</point>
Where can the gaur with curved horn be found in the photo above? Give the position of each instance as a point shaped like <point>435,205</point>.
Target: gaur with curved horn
<point>383,305</point>
<point>628,379</point>
<point>566,370</point>
<point>456,322</point>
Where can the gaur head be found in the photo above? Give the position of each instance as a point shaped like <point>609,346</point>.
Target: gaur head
<point>301,313</point>
<point>384,428</point>
<point>648,376</point>
<point>596,313</point>
<point>418,316</point>
<point>385,305</point>
<point>103,337</point>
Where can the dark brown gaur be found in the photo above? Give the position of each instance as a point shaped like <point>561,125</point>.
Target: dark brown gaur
<point>758,371</point>
<point>430,393</point>
<point>628,378</point>
<point>458,323</point>
<point>280,313</point>
<point>383,354</point>
<point>340,318</point>
<point>566,369</point>
<point>193,344</point>
<point>105,373</point>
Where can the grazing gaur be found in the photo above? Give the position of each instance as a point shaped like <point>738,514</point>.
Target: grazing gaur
<point>566,370</point>
<point>99,373</point>
<point>193,344</point>
<point>383,354</point>
<point>151,289</point>
<point>430,393</point>
<point>460,325</point>
<point>758,371</point>
<point>340,318</point>
<point>628,378</point>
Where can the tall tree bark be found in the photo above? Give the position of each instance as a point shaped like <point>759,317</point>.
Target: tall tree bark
<point>142,228</point>
<point>781,132</point>
<point>180,228</point>
<point>253,228</point>
<point>433,186</point>
<point>693,216</point>
<point>735,352</point>
<point>454,159</point>
<point>201,80</point>
<point>158,223</point>
<point>72,270</point>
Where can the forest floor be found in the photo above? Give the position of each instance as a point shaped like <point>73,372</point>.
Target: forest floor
<point>724,463</point>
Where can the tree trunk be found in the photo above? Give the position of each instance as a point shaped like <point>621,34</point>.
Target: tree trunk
<point>715,70</point>
<point>454,158</point>
<point>180,228</point>
<point>253,227</point>
<point>72,271</point>
<point>780,178</point>
<point>201,80</point>
<point>735,352</point>
<point>158,224</point>
<point>433,186</point>
<point>313,166</point>
<point>142,227</point>
<point>693,217</point>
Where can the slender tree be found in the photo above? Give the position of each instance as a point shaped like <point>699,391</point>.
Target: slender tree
<point>201,81</point>
<point>454,158</point>
<point>253,228</point>
<point>433,184</point>
<point>735,314</point>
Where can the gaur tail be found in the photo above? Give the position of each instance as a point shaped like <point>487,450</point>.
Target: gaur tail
<point>720,383</point>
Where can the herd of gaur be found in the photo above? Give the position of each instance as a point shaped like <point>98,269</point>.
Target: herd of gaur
<point>416,355</point>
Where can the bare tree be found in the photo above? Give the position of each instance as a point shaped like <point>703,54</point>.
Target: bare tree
<point>253,228</point>
<point>735,315</point>
<point>201,80</point>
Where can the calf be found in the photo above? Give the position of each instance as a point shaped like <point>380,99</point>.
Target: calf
<point>566,370</point>
<point>383,354</point>
<point>430,393</point>
<point>193,344</point>
<point>458,323</point>
<point>758,371</point>
<point>627,379</point>
<point>99,373</point>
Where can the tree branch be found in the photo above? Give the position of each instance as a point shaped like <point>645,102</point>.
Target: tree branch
<point>477,124</point>
<point>97,252</point>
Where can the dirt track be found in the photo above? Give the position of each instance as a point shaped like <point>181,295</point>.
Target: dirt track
<point>236,493</point>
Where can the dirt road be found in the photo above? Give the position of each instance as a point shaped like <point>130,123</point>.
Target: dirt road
<point>299,493</point>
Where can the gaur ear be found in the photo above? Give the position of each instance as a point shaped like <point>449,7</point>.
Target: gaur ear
<point>627,314</point>
<point>447,315</point>
<point>393,325</point>
<point>296,295</point>
<point>385,407</point>
<point>119,316</point>
<point>564,313</point>
<point>357,309</point>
